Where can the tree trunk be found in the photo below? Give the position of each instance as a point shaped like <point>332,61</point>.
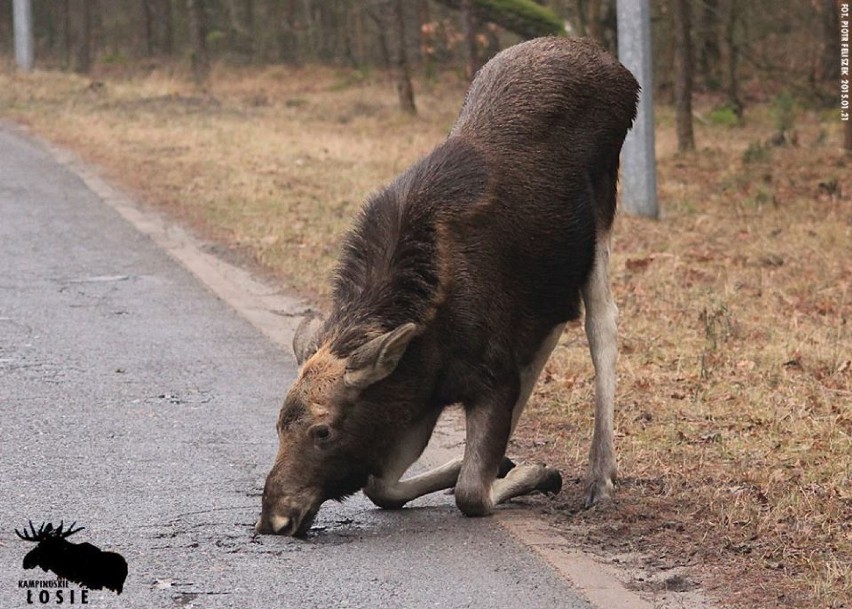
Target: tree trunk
<point>310,28</point>
<point>241,27</point>
<point>148,17</point>
<point>609,26</point>
<point>252,29</point>
<point>67,48</point>
<point>594,22</point>
<point>159,32</point>
<point>683,74</point>
<point>427,50</point>
<point>283,17</point>
<point>403,73</point>
<point>469,29</point>
<point>248,9</point>
<point>733,84</point>
<point>557,7</point>
<point>580,18</point>
<point>167,23</point>
<point>847,139</point>
<point>381,27</point>
<point>709,55</point>
<point>830,67</point>
<point>81,16</point>
<point>198,40</point>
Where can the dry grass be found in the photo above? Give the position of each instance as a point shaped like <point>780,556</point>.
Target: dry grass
<point>734,410</point>
<point>272,162</point>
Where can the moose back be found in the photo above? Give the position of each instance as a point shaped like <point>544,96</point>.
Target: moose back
<point>454,286</point>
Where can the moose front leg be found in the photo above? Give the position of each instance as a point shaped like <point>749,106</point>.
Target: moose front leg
<point>488,427</point>
<point>389,491</point>
<point>393,494</point>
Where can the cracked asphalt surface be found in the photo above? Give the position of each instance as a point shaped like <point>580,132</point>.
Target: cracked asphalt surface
<point>136,403</point>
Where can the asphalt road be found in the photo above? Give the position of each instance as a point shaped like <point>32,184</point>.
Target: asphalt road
<point>136,403</point>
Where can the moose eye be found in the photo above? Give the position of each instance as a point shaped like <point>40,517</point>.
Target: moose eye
<point>320,433</point>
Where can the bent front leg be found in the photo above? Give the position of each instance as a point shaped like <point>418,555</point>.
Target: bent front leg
<point>488,427</point>
<point>389,491</point>
<point>393,494</point>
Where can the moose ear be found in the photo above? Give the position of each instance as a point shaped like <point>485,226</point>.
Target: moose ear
<point>378,358</point>
<point>305,341</point>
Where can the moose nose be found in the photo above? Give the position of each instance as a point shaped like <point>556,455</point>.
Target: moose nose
<point>275,525</point>
<point>280,524</point>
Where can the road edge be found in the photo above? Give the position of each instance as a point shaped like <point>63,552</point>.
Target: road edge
<point>276,313</point>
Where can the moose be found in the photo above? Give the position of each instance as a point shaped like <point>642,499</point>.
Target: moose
<point>454,286</point>
<point>82,563</point>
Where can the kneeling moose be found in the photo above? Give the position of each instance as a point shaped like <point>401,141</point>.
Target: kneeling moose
<point>454,287</point>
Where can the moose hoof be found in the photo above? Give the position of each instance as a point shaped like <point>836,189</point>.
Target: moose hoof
<point>379,494</point>
<point>551,482</point>
<point>391,505</point>
<point>506,465</point>
<point>598,492</point>
<point>473,504</point>
<point>386,503</point>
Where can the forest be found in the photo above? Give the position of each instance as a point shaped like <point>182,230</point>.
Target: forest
<point>742,50</point>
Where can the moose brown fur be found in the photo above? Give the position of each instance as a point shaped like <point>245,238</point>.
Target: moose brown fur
<point>454,286</point>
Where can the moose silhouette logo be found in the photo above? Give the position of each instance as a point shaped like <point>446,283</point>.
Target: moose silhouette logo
<point>81,563</point>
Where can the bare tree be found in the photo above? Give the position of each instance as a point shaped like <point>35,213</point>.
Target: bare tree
<point>81,21</point>
<point>167,23</point>
<point>683,74</point>
<point>157,17</point>
<point>709,55</point>
<point>148,11</point>
<point>831,40</point>
<point>198,38</point>
<point>377,14</point>
<point>427,50</point>
<point>733,83</point>
<point>594,22</point>
<point>67,37</point>
<point>403,72</point>
<point>241,26</point>
<point>469,29</point>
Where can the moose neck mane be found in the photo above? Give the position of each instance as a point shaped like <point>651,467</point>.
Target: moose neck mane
<point>390,265</point>
<point>387,274</point>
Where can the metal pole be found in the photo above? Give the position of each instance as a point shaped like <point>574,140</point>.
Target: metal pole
<point>638,164</point>
<point>22,15</point>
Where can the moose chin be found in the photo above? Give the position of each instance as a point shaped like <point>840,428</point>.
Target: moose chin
<point>454,286</point>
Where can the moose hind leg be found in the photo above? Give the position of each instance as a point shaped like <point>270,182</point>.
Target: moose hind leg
<point>601,330</point>
<point>525,479</point>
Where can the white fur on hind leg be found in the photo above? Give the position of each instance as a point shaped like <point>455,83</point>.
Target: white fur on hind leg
<point>601,329</point>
